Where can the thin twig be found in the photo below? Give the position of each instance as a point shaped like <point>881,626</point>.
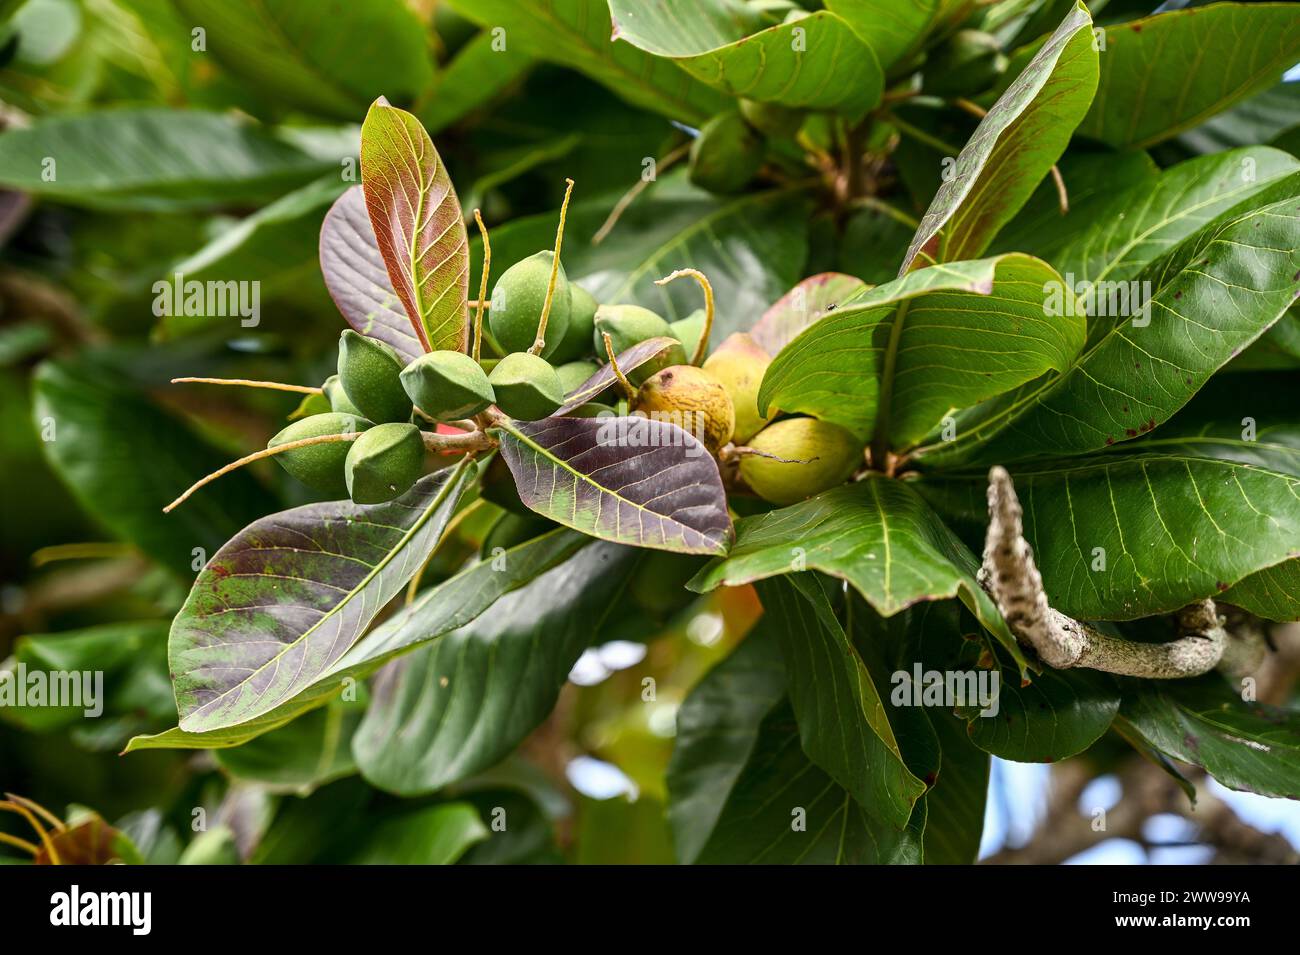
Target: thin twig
<point>257,456</point>
<point>249,383</point>
<point>630,196</point>
<point>626,386</point>
<point>701,347</point>
<point>879,205</point>
<point>35,824</point>
<point>23,844</point>
<point>540,343</point>
<point>482,285</point>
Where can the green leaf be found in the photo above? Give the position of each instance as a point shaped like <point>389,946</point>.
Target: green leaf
<point>1228,420</point>
<point>1119,233</point>
<point>805,304</point>
<point>434,835</point>
<point>1123,536</point>
<point>877,534</point>
<point>1013,147</point>
<point>478,72</point>
<point>628,480</point>
<point>1166,73</point>
<point>815,63</point>
<point>895,31</point>
<point>124,458</point>
<point>283,601</point>
<point>1207,298</point>
<point>784,810</point>
<point>955,803</point>
<point>461,705</point>
<point>842,722</point>
<point>1246,746</point>
<point>330,61</point>
<point>717,728</point>
<point>436,611</point>
<point>576,34</point>
<point>418,225</point>
<point>932,341</point>
<point>1256,120</point>
<point>153,159</point>
<point>1058,715</point>
<point>307,753</point>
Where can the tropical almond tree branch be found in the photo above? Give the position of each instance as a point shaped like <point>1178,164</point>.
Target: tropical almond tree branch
<point>1010,576</point>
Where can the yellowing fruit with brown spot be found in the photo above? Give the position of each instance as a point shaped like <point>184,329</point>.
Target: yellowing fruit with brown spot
<point>739,364</point>
<point>691,399</point>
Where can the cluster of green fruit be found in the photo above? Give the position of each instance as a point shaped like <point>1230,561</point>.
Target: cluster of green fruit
<point>549,351</point>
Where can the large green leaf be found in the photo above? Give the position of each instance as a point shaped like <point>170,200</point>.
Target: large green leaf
<point>1208,298</point>
<point>932,341</point>
<point>436,611</point>
<point>1058,715</point>
<point>893,30</point>
<point>842,722</point>
<point>1123,536</point>
<point>1119,233</point>
<point>462,704</point>
<point>630,480</point>
<point>784,810</point>
<point>283,601</point>
<point>955,803</point>
<point>576,34</point>
<point>1013,147</point>
<point>418,225</point>
<point>1169,72</point>
<point>432,835</point>
<point>307,753</point>
<point>717,727</point>
<point>125,458</point>
<point>877,534</point>
<point>153,159</point>
<point>816,62</point>
<point>330,58</point>
<point>1228,420</point>
<point>478,72</point>
<point>1246,746</point>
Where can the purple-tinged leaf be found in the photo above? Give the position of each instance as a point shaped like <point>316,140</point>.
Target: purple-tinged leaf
<point>630,480</point>
<point>289,594</point>
<point>628,359</point>
<point>357,278</point>
<point>802,306</point>
<point>418,225</point>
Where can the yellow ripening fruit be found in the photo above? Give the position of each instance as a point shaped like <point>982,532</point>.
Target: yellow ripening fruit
<point>687,397</point>
<point>807,457</point>
<point>738,365</point>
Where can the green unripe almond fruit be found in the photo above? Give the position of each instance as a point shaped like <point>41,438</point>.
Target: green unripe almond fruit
<point>370,373</point>
<point>575,374</point>
<point>968,62</point>
<point>772,119</point>
<point>526,386</point>
<point>517,302</point>
<point>630,325</point>
<point>582,325</point>
<point>689,398</point>
<point>726,155</point>
<point>814,455</point>
<point>319,466</point>
<point>447,385</point>
<point>338,398</point>
<point>384,462</point>
<point>688,330</point>
<point>738,364</point>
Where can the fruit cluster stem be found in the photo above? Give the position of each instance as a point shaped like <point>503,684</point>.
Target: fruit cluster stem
<point>482,285</point>
<point>701,347</point>
<point>540,342</point>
